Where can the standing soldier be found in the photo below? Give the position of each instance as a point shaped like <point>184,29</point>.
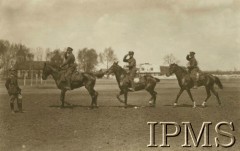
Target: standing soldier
<point>132,68</point>
<point>193,68</point>
<point>71,67</point>
<point>13,89</point>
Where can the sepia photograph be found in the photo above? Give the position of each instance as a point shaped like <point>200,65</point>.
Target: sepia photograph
<point>111,75</point>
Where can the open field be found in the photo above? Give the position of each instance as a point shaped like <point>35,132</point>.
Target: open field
<point>44,126</point>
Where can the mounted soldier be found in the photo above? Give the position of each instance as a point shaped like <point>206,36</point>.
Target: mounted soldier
<point>193,68</point>
<point>71,66</point>
<point>13,89</point>
<point>132,68</point>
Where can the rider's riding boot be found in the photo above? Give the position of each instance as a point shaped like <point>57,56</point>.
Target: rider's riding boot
<point>132,86</point>
<point>196,81</point>
<point>20,107</point>
<point>195,85</point>
<point>68,87</point>
<point>12,108</point>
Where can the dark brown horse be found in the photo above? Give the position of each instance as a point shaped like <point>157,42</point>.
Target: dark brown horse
<point>78,80</point>
<point>146,82</point>
<point>186,83</point>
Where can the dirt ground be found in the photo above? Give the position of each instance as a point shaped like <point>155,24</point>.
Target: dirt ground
<point>45,127</point>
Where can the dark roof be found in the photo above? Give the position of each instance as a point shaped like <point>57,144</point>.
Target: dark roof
<point>30,65</point>
<point>57,57</point>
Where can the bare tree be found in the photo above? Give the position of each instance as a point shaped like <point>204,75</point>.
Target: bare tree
<point>107,57</point>
<point>38,54</point>
<point>169,59</point>
<point>48,54</point>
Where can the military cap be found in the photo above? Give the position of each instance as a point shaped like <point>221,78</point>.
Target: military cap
<point>192,53</point>
<point>12,68</point>
<point>13,71</point>
<point>131,53</point>
<point>69,49</point>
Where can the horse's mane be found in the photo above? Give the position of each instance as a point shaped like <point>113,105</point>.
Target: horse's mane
<point>124,71</point>
<point>182,68</point>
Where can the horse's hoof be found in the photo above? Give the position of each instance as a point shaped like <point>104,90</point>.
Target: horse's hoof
<point>90,108</point>
<point>194,105</point>
<point>136,107</point>
<point>121,101</point>
<point>175,104</point>
<point>152,105</point>
<point>204,104</point>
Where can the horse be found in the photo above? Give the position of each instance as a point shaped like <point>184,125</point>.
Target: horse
<point>78,80</point>
<point>146,82</point>
<point>186,83</point>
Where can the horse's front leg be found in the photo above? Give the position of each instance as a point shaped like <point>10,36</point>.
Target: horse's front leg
<point>179,94</point>
<point>190,95</point>
<point>118,96</point>
<point>125,96</point>
<point>208,96</point>
<point>62,97</point>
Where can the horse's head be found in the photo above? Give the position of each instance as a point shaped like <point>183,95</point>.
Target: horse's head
<point>46,71</point>
<point>172,69</point>
<point>114,68</point>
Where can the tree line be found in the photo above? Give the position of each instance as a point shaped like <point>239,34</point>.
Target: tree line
<point>88,58</point>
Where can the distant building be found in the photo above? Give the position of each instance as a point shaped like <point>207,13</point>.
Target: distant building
<point>30,68</point>
<point>57,59</point>
<point>34,68</point>
<point>147,68</point>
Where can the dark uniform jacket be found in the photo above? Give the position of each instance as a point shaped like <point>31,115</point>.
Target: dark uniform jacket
<point>71,66</point>
<point>131,65</point>
<point>192,62</point>
<point>70,59</point>
<point>12,85</point>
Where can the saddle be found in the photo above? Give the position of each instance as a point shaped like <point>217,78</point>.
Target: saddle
<point>76,76</point>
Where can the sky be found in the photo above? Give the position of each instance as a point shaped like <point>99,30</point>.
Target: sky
<point>150,28</point>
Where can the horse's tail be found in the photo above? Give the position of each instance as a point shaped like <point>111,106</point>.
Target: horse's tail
<point>98,74</point>
<point>218,82</point>
<point>157,80</point>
